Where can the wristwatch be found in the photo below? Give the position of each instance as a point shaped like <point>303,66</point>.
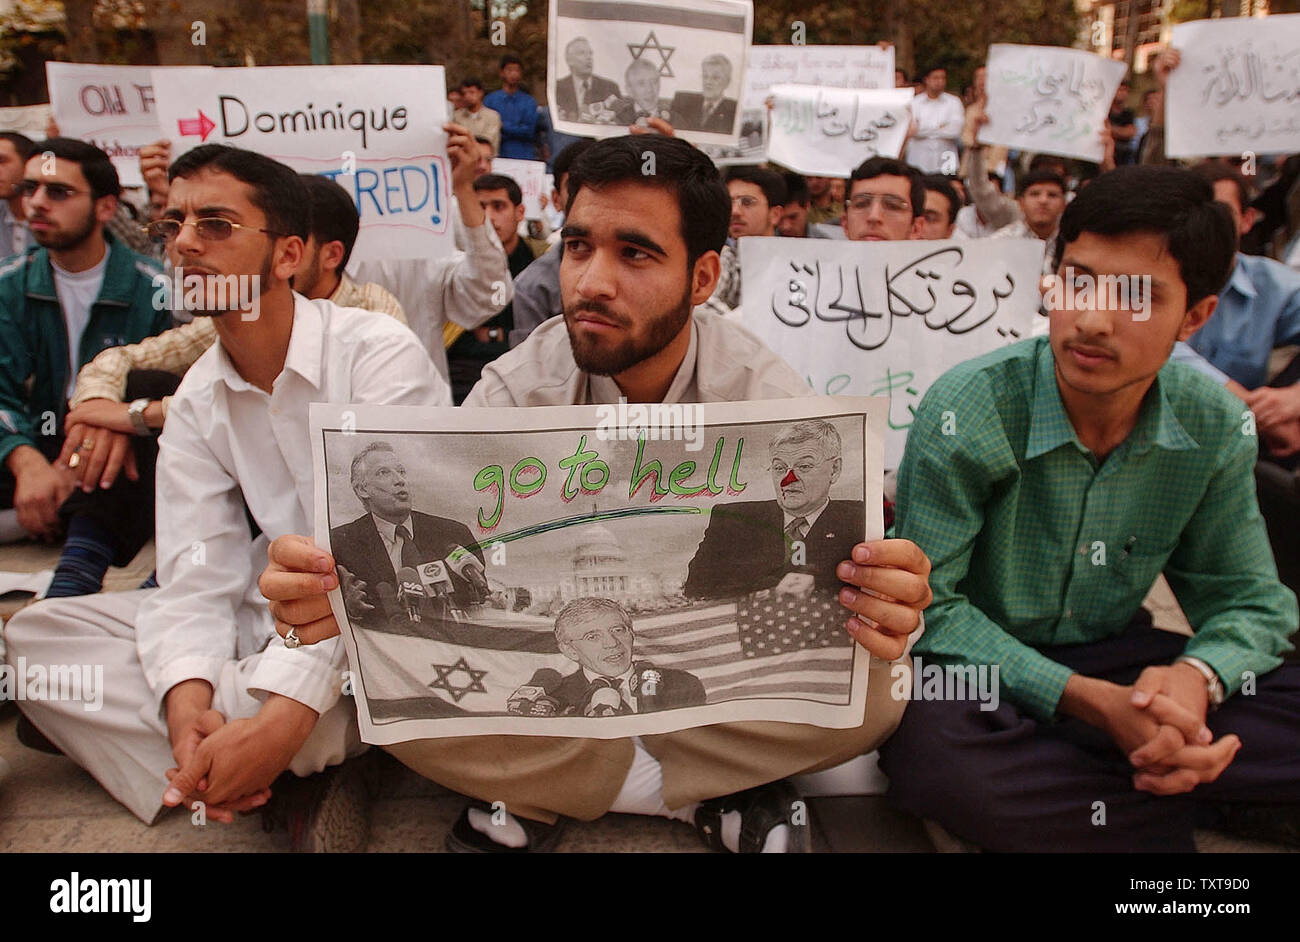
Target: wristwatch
<point>135,412</point>
<point>1213,685</point>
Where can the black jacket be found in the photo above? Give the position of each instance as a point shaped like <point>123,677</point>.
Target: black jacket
<point>745,548</point>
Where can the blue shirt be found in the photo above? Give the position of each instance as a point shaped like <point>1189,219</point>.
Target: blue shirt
<point>518,122</point>
<point>1259,310</point>
<point>1184,354</point>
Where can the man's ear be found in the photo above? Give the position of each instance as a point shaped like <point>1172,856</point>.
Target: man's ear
<point>837,465</point>
<point>704,277</point>
<point>105,207</point>
<point>287,257</point>
<point>1197,315</point>
<point>330,255</point>
<point>1248,219</point>
<point>918,228</point>
<point>774,216</point>
<point>519,214</point>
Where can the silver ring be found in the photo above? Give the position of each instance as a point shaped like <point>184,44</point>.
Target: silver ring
<point>291,640</point>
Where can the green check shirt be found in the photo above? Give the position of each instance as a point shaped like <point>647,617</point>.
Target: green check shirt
<point>1034,543</point>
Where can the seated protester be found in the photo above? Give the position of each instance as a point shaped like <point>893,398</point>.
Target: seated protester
<point>468,351</point>
<point>1084,465</point>
<point>885,203</point>
<point>1040,195</point>
<point>113,378</point>
<point>639,253</point>
<point>466,286</point>
<point>941,206</point>
<point>537,290</point>
<point>757,201</point>
<point>793,223</point>
<point>15,150</point>
<point>61,303</point>
<point>1258,310</point>
<point>202,691</point>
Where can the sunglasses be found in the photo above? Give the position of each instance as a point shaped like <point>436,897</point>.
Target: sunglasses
<point>209,229</point>
<point>57,192</point>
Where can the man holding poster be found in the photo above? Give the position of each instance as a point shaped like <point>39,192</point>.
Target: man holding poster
<point>639,252</point>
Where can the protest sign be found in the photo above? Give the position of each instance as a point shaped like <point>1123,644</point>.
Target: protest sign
<point>1236,89</point>
<point>376,130</point>
<point>1049,99</point>
<point>111,106</point>
<point>598,571</point>
<point>531,177</point>
<point>614,63</point>
<point>829,131</point>
<point>827,66</point>
<point>30,120</point>
<point>887,318</point>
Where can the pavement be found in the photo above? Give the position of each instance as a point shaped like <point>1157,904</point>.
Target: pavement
<point>47,803</point>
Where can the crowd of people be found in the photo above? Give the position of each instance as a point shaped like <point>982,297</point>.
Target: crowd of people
<point>1134,439</point>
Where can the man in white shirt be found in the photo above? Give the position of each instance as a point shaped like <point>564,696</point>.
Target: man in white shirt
<point>939,118</point>
<point>639,252</point>
<point>195,691</point>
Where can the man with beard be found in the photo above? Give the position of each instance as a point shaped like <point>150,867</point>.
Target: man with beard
<point>145,374</point>
<point>639,252</point>
<point>62,302</point>
<point>201,691</point>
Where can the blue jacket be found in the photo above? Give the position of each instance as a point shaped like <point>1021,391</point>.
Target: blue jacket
<point>518,122</point>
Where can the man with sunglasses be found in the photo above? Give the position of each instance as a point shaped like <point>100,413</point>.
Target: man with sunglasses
<point>885,202</point>
<point>192,684</point>
<point>76,293</point>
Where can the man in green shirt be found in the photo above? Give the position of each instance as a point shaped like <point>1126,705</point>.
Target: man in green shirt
<point>1050,483</point>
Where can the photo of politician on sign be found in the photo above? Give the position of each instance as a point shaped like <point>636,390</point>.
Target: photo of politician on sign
<point>598,571</point>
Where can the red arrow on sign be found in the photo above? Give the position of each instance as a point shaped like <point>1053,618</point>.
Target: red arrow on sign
<point>202,126</point>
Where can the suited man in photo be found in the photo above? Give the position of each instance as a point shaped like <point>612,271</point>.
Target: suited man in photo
<point>709,110</point>
<point>792,543</point>
<point>580,93</point>
<point>597,635</point>
<point>642,101</point>
<point>390,536</point>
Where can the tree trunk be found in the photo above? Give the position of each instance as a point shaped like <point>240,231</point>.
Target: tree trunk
<point>346,42</point>
<point>172,23</point>
<point>82,45</point>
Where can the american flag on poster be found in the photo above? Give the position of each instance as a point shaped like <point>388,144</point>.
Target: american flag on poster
<point>756,647</point>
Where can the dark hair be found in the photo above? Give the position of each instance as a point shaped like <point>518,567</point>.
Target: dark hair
<point>874,167</point>
<point>509,59</point>
<point>939,184</point>
<point>277,191</point>
<point>98,170</point>
<point>925,72</point>
<point>678,167</point>
<point>1213,171</point>
<point>565,158</point>
<point>1039,161</point>
<point>23,145</point>
<point>334,216</point>
<point>796,188</point>
<point>1167,201</point>
<point>499,181</point>
<point>1039,176</point>
<point>769,181</point>
<point>472,82</point>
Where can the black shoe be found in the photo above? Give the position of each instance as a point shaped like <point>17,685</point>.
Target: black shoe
<point>1272,823</point>
<point>33,738</point>
<point>761,809</point>
<point>464,839</point>
<point>325,813</point>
